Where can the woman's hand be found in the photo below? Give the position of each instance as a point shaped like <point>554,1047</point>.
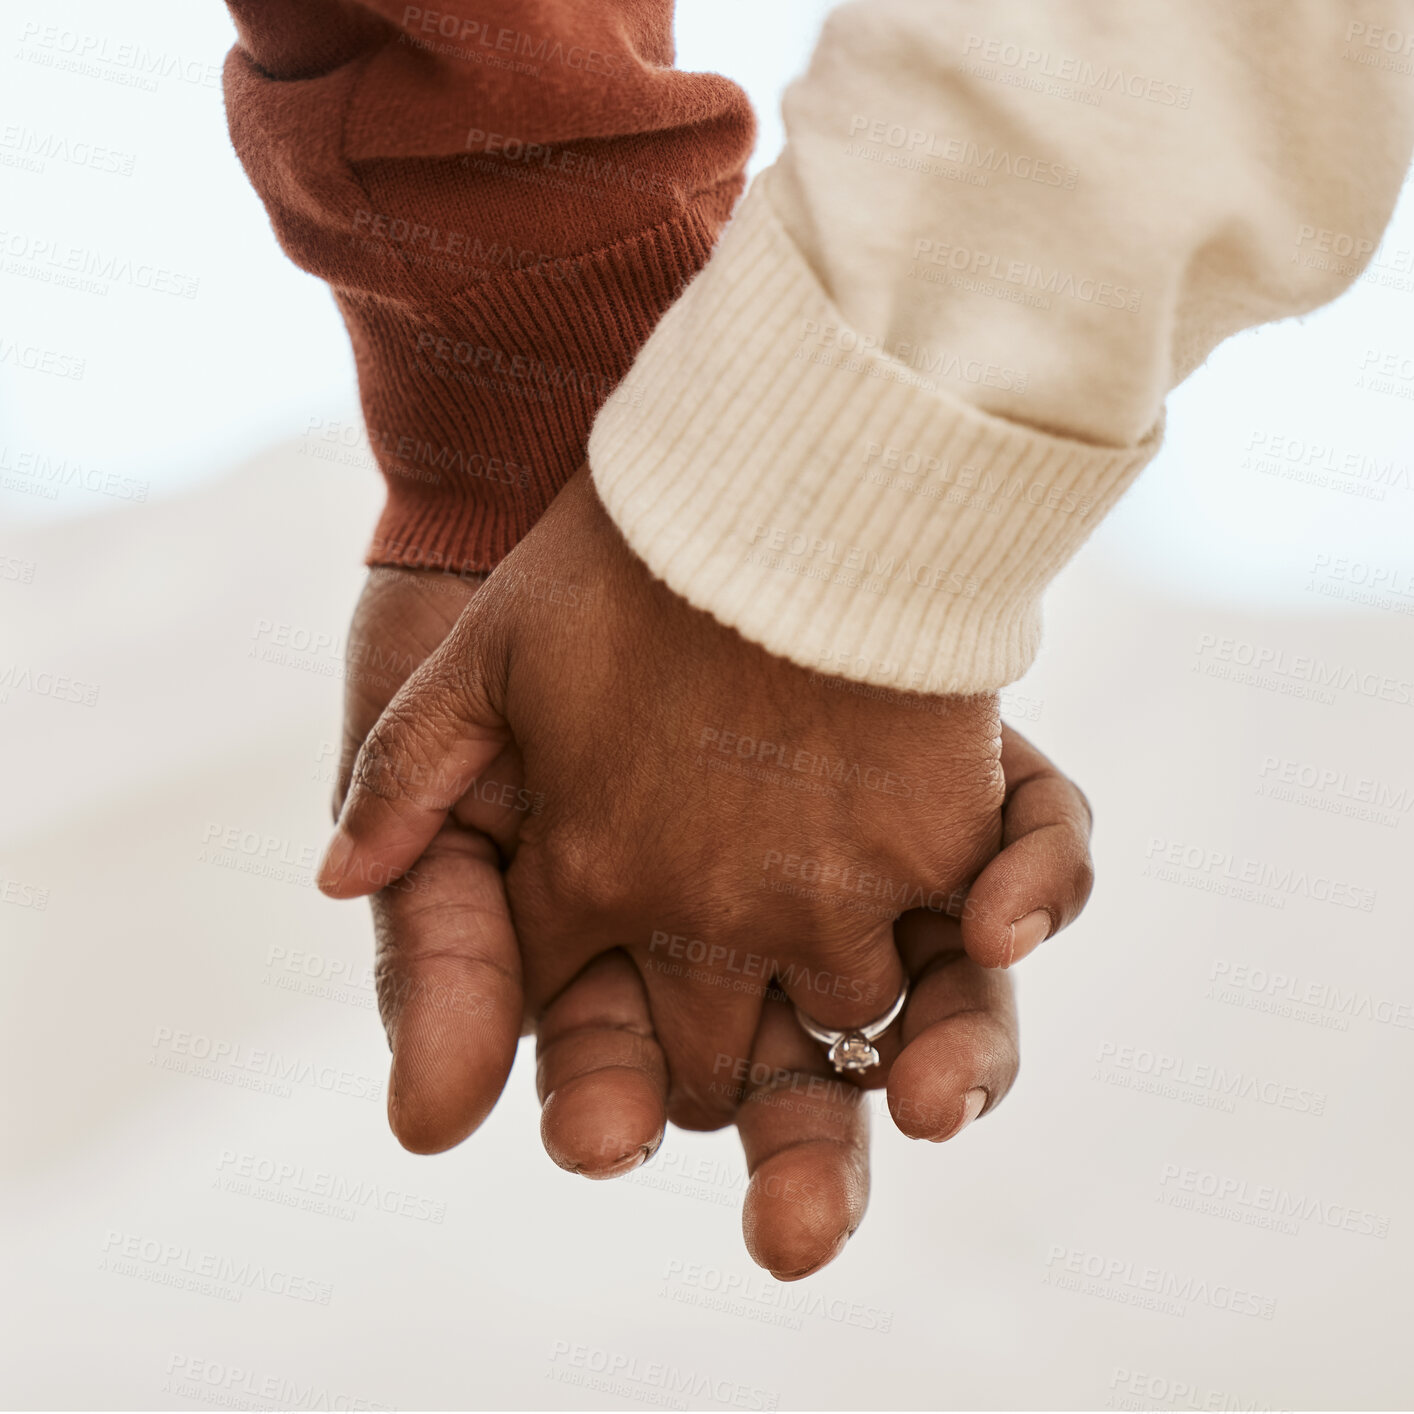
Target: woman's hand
<point>694,787</point>
<point>451,1001</point>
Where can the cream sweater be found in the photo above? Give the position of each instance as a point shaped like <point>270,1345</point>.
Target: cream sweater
<point>933,347</point>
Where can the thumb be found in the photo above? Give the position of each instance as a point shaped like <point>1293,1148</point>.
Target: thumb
<point>433,740</point>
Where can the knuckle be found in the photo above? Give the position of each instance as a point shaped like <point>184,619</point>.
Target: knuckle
<point>577,873</point>
<point>375,770</point>
<point>961,831</point>
<point>949,856</point>
<point>389,767</point>
<point>448,984</point>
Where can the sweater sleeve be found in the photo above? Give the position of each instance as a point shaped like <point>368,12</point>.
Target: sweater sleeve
<point>504,196</point>
<point>934,345</point>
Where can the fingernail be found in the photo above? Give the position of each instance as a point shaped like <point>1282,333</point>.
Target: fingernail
<point>335,861</point>
<point>1028,933</point>
<point>973,1103</point>
<point>823,1262</point>
<point>624,1164</point>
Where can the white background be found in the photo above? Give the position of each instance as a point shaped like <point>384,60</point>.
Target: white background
<point>106,811</point>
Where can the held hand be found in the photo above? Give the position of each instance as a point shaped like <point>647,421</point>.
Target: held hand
<point>805,1131</point>
<point>602,1073</point>
<point>695,788</point>
<point>447,966</point>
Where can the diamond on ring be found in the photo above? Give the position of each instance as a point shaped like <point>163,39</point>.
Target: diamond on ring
<point>850,1051</point>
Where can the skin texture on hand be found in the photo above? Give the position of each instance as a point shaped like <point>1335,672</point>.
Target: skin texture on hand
<point>601,1074</point>
<point>695,787</point>
<point>451,999</point>
<point>723,816</point>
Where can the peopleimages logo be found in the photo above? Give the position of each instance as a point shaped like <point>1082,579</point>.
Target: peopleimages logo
<point>22,677</point>
<point>291,1184</point>
<point>782,756</point>
<point>1070,69</point>
<point>253,1067</point>
<point>1141,1389</point>
<point>1333,791</point>
<point>1304,998</point>
<point>20,895</point>
<point>50,475</point>
<point>1176,1074</point>
<point>1053,281</point>
<point>90,54</point>
<point>1389,41</point>
<point>758,1289</point>
<point>227,1386</point>
<point>721,963</point>
<point>1361,790</point>
<point>962,152</point>
<point>1266,1201</point>
<point>33,149</point>
<point>902,361</point>
<point>96,271</point>
<point>1349,472</point>
<point>626,1376</point>
<point>35,359</point>
<point>587,170</point>
<point>885,567</point>
<point>1300,674</point>
<point>472,35</point>
<point>908,469</point>
<point>1115,1279</point>
<point>208,1273</point>
<point>1171,859</point>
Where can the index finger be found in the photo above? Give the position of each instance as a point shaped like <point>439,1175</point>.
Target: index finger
<point>1041,879</point>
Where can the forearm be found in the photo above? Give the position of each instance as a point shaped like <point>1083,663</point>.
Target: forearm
<point>504,199</point>
<point>934,347</point>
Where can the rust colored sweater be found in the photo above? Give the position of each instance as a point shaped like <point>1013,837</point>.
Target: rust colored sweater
<point>505,196</point>
<point>932,350</point>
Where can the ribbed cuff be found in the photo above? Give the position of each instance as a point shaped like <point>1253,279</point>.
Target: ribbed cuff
<point>478,403</point>
<point>838,502</point>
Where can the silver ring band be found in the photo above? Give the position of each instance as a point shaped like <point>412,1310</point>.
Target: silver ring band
<point>850,1050</point>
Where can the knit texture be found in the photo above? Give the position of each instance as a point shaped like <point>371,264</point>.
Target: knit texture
<point>768,463</point>
<point>479,408</point>
<point>936,345</point>
<point>504,196</point>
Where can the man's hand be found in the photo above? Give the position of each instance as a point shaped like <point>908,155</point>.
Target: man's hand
<point>804,1130</point>
<point>721,815</point>
<point>448,970</point>
<point>450,1001</point>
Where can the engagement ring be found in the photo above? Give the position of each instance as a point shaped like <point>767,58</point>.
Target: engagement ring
<point>850,1049</point>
